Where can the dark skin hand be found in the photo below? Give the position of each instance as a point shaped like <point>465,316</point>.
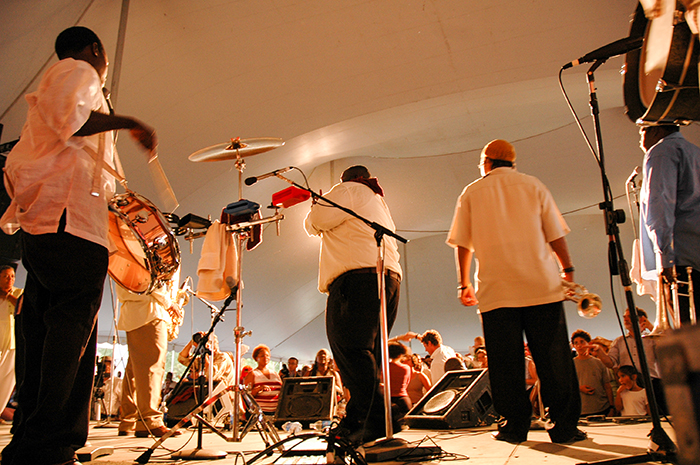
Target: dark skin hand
<point>140,132</point>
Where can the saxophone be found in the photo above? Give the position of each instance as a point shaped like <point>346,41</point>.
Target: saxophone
<point>177,309</point>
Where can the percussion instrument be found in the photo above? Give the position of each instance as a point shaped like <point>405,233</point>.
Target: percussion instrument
<point>661,80</point>
<point>237,148</point>
<point>147,253</point>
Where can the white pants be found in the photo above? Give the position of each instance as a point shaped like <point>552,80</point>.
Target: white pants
<point>7,376</point>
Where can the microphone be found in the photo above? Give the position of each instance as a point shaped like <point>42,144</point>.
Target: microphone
<point>613,49</point>
<point>234,290</point>
<point>252,180</point>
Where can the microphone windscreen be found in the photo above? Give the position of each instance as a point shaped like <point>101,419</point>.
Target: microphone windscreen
<point>250,181</point>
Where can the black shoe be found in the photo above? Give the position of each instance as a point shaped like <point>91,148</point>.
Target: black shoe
<point>509,437</point>
<point>578,436</point>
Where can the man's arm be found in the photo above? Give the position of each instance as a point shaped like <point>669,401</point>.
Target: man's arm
<point>596,351</point>
<point>325,217</point>
<point>661,181</point>
<point>463,262</point>
<point>561,250</point>
<point>100,122</point>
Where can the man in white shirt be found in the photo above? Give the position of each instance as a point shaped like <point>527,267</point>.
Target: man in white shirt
<point>510,223</point>
<point>439,353</point>
<point>64,219</point>
<point>347,273</point>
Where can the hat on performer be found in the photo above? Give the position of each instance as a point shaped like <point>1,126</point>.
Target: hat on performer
<point>499,149</point>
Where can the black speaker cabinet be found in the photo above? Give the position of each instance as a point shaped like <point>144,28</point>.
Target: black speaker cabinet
<point>306,399</point>
<point>460,399</point>
<point>678,353</point>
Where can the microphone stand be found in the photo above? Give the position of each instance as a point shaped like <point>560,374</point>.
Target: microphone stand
<point>666,448</point>
<point>197,453</point>
<point>390,447</point>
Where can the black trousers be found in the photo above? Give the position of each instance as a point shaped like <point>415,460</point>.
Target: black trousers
<point>548,340</point>
<point>353,329</point>
<point>62,296</point>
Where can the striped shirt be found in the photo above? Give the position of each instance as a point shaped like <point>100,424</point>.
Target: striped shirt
<point>267,399</point>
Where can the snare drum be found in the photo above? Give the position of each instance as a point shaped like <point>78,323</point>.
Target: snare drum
<point>661,79</point>
<point>147,253</point>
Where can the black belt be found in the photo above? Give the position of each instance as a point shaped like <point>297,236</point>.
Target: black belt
<point>373,270</point>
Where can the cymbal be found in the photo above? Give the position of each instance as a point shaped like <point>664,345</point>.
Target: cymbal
<point>237,147</point>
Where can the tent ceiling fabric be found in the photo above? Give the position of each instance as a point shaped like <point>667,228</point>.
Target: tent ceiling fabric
<point>412,89</point>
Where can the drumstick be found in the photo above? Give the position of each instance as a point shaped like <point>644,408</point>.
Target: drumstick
<point>165,191</point>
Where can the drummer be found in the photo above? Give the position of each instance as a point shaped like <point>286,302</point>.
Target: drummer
<point>64,219</point>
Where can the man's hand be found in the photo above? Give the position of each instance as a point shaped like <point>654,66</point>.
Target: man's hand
<point>144,135</point>
<point>468,297</point>
<point>586,389</point>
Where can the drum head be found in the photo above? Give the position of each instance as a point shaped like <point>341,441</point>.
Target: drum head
<point>661,80</point>
<point>127,264</point>
<point>144,250</point>
<point>440,401</point>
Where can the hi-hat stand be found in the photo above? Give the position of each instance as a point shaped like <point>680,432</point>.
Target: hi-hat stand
<point>665,448</point>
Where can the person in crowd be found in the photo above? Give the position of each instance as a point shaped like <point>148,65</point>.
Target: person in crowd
<point>670,209</point>
<point>57,178</point>
<point>631,398</point>
<point>168,384</point>
<point>399,378</point>
<point>291,370</point>
<point>323,366</point>
<point>223,365</point>
<point>244,372</point>
<point>510,223</point>
<point>478,343</point>
<point>454,364</point>
<point>481,358</point>
<point>618,355</point>
<point>420,382</point>
<point>593,377</point>
<point>264,384</point>
<point>439,353</point>
<point>146,319</point>
<point>306,371</point>
<point>8,306</point>
<point>347,273</point>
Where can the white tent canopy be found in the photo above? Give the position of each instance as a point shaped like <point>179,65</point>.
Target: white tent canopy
<point>411,89</point>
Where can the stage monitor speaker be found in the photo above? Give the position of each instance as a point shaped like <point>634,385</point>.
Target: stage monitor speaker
<point>306,399</point>
<point>460,399</point>
<point>678,353</point>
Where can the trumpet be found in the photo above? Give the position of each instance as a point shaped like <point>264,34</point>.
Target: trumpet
<point>588,304</point>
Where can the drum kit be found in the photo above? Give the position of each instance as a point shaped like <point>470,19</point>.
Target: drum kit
<point>147,253</point>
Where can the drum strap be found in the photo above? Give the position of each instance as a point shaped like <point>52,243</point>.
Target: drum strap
<point>101,165</point>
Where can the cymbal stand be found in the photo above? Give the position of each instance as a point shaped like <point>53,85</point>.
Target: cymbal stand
<point>242,232</point>
<point>665,447</point>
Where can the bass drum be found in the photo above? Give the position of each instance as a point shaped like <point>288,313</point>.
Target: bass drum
<point>661,80</point>
<point>147,253</point>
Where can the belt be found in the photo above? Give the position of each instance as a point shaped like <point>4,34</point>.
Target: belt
<point>373,270</point>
